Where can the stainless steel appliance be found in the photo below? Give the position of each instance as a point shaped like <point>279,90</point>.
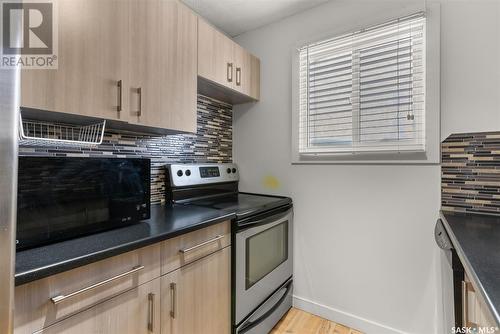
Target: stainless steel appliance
<point>64,197</point>
<point>9,113</point>
<point>262,247</point>
<point>443,241</point>
<point>263,270</point>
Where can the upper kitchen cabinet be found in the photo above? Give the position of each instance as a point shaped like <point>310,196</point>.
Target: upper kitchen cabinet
<point>226,71</point>
<point>130,61</point>
<point>255,77</point>
<point>92,62</point>
<point>215,55</point>
<point>163,56</point>
<point>246,73</point>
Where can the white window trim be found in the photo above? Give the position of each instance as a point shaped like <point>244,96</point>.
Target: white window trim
<point>432,154</point>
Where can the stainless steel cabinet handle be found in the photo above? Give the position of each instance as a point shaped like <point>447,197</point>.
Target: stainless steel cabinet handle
<point>465,305</point>
<point>229,72</point>
<point>204,243</point>
<point>120,87</point>
<point>58,299</point>
<point>238,76</point>
<point>173,297</point>
<point>139,112</point>
<point>151,312</point>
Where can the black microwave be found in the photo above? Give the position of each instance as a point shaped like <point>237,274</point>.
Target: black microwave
<point>61,198</point>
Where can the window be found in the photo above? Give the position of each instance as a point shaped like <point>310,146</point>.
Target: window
<point>365,92</point>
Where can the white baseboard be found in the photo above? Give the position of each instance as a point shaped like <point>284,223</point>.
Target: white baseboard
<point>350,320</point>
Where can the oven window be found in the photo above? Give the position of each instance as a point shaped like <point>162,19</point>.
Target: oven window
<point>265,251</point>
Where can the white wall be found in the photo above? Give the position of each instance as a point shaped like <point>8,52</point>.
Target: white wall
<point>364,249</point>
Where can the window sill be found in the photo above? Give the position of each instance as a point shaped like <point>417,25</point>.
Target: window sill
<point>406,158</point>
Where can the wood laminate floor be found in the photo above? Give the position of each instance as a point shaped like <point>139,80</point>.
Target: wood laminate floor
<point>300,322</point>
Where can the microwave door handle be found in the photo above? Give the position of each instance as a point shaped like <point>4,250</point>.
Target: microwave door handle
<point>248,325</point>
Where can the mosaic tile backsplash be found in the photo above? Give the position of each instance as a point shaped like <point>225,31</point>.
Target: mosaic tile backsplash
<point>471,173</point>
<point>211,143</point>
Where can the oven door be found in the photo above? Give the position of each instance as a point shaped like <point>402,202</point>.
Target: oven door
<point>264,261</point>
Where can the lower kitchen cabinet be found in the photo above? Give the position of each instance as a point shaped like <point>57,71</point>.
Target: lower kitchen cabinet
<point>475,314</point>
<point>134,312</point>
<point>35,305</point>
<point>130,293</point>
<point>196,298</point>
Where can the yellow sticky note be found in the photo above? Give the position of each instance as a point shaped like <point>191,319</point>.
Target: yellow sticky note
<point>271,182</point>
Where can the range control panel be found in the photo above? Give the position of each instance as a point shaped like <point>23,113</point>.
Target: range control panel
<point>183,175</point>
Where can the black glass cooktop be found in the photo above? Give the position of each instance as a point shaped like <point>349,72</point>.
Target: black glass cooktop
<point>243,204</point>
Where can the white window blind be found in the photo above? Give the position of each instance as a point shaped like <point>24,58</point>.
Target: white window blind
<point>364,92</point>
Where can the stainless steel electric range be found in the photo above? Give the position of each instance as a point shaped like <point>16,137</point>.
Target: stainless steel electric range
<point>262,236</point>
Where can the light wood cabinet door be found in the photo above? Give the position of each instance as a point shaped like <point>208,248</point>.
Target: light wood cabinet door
<point>476,313</point>
<point>196,297</point>
<point>163,71</point>
<point>242,79</point>
<point>247,73</point>
<point>145,61</point>
<point>215,55</point>
<point>92,59</point>
<point>136,311</point>
<point>180,67</point>
<point>254,73</point>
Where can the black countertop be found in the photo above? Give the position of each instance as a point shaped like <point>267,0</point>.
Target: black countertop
<point>167,221</point>
<point>476,239</point>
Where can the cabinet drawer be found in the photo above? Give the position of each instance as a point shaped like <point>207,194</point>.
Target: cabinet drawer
<point>41,303</point>
<point>189,247</point>
<point>136,311</point>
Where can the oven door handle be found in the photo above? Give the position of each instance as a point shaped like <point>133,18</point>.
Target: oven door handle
<point>247,223</point>
<point>248,325</point>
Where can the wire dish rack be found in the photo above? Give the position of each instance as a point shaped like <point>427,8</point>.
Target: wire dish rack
<point>41,133</point>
